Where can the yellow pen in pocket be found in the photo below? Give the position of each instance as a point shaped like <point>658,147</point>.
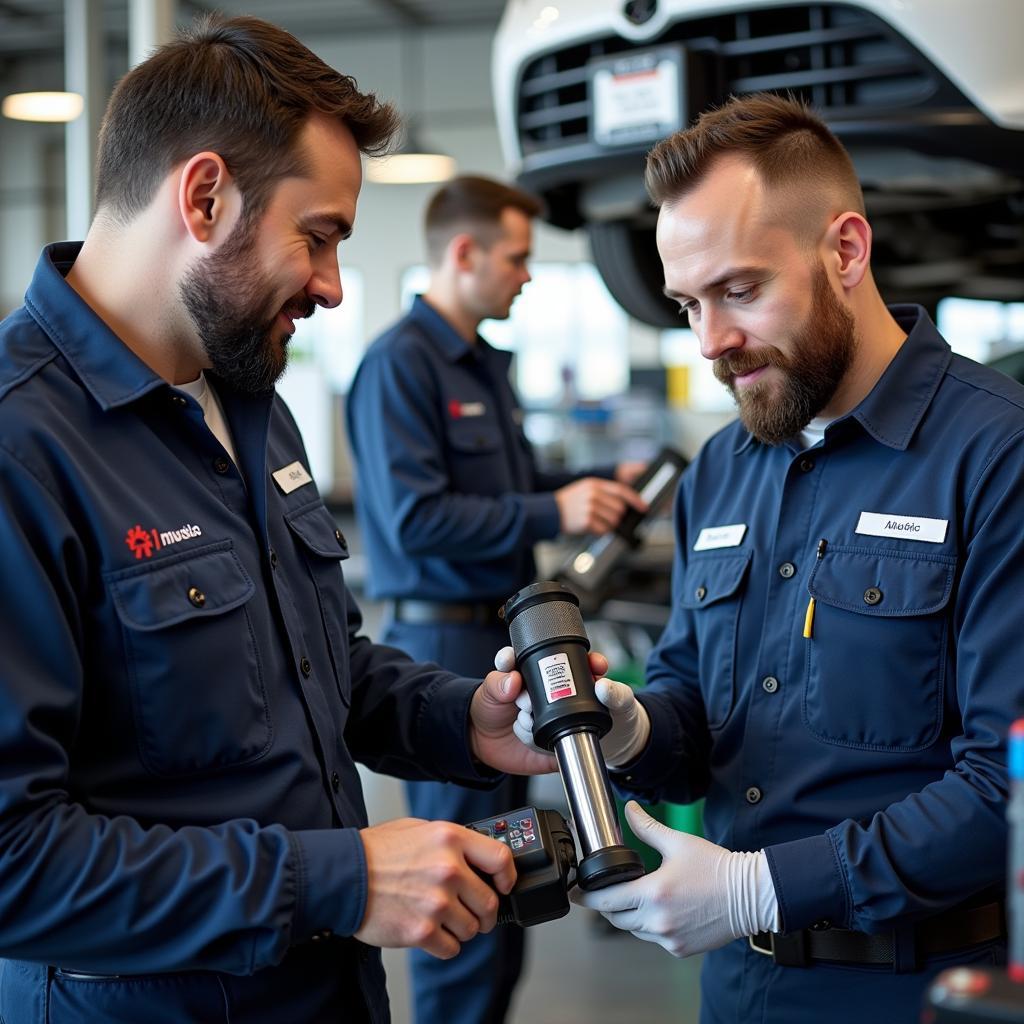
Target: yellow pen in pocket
<point>809,614</point>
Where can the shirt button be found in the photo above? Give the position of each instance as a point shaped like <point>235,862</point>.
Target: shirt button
<point>325,933</point>
<point>196,596</point>
<point>700,593</point>
<point>335,781</point>
<point>753,795</point>
<point>220,464</point>
<point>823,925</point>
<point>805,465</point>
<point>179,400</point>
<point>273,559</point>
<point>769,684</point>
<point>304,666</point>
<point>872,595</point>
<point>786,570</point>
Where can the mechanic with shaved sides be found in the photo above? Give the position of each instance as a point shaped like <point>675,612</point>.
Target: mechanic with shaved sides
<point>184,689</point>
<point>842,662</point>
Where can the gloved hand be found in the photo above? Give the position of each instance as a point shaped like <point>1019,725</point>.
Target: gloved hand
<point>631,728</point>
<point>701,897</point>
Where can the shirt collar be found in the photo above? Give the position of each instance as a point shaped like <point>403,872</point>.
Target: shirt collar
<point>897,403</point>
<point>452,345</point>
<point>111,371</point>
<point>895,406</point>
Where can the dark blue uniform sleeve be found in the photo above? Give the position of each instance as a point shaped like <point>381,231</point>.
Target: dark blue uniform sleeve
<point>230,897</point>
<point>409,719</point>
<point>937,846</point>
<point>395,427</point>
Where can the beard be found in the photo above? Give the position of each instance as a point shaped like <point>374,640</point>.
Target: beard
<point>822,351</point>
<point>226,301</point>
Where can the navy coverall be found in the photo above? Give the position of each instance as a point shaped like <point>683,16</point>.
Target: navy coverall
<point>868,760</point>
<point>450,503</point>
<point>183,695</point>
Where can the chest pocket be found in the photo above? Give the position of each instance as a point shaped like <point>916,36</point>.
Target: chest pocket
<point>324,548</point>
<point>198,696</point>
<point>713,590</point>
<point>876,666</point>
<point>474,456</point>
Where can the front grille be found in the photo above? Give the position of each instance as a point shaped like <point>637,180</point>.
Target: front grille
<point>836,57</point>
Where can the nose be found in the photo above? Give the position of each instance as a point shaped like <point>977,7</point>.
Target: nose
<point>324,286</point>
<point>716,334</point>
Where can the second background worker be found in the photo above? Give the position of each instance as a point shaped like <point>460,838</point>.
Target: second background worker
<point>450,502</point>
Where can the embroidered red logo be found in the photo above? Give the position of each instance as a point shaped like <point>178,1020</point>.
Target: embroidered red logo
<point>139,541</point>
<point>142,543</point>
<point>455,408</point>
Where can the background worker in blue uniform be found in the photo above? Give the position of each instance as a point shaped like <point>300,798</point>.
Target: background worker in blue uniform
<point>184,691</point>
<point>450,503</point>
<point>842,661</point>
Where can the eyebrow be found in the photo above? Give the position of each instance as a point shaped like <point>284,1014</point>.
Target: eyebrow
<point>718,282</point>
<point>338,222</point>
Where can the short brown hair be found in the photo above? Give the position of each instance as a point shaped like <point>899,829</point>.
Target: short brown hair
<point>240,87</point>
<point>473,204</point>
<point>785,141</point>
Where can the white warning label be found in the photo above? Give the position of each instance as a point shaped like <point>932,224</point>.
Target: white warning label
<point>557,676</point>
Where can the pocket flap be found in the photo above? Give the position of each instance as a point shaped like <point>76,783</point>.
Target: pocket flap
<point>204,582</point>
<point>474,434</point>
<point>883,582</point>
<point>711,579</point>
<point>316,528</point>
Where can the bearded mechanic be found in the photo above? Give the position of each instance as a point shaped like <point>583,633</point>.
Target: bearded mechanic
<point>841,665</point>
<point>182,831</point>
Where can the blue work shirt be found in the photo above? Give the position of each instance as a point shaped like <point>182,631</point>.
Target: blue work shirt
<point>449,496</point>
<point>868,760</point>
<point>184,691</point>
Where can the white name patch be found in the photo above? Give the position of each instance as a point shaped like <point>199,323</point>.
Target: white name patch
<point>720,537</point>
<point>879,524</point>
<point>289,478</point>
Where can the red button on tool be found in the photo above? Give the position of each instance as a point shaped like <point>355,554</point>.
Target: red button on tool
<point>500,826</point>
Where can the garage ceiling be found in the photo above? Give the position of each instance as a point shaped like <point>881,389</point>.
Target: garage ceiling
<point>35,28</point>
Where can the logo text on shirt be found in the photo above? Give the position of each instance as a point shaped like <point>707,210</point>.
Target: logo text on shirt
<point>142,542</point>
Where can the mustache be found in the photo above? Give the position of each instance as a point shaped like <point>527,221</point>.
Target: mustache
<point>736,364</point>
<point>299,308</point>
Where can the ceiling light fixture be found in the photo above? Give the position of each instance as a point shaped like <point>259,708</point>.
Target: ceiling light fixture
<point>414,162</point>
<point>42,106</point>
<point>411,164</point>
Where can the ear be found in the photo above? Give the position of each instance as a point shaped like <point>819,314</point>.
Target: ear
<point>847,244</point>
<point>461,249</point>
<point>208,199</point>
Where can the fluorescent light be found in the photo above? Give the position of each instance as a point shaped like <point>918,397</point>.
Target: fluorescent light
<point>42,106</point>
<point>412,163</point>
<point>410,168</point>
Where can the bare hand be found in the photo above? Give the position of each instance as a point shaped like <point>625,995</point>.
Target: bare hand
<point>422,890</point>
<point>593,505</point>
<point>493,715</point>
<point>627,472</point>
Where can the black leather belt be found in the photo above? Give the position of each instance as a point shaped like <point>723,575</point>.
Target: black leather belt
<point>954,929</point>
<point>426,613</point>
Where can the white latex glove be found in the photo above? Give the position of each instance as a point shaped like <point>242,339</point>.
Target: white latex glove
<point>700,898</point>
<point>631,728</point>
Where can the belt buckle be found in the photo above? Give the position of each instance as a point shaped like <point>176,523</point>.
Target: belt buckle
<point>770,951</point>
